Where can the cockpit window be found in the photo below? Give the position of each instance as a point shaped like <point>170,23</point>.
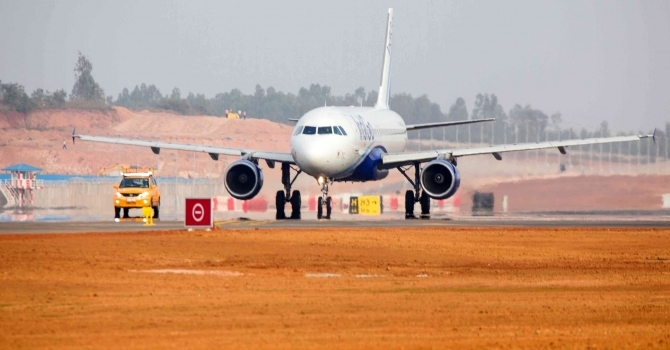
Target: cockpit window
<point>337,130</point>
<point>309,130</point>
<point>298,130</point>
<point>342,129</point>
<point>324,130</point>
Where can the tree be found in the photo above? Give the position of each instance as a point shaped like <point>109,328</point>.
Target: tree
<point>38,97</point>
<point>85,87</point>
<point>176,94</point>
<point>58,98</point>
<point>15,97</point>
<point>360,94</point>
<point>458,111</point>
<point>372,98</point>
<point>12,93</point>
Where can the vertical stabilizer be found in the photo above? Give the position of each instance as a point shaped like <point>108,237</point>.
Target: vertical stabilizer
<point>385,85</point>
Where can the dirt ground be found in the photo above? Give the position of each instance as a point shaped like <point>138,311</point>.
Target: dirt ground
<point>399,288</point>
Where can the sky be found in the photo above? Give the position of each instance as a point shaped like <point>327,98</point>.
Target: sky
<point>589,60</point>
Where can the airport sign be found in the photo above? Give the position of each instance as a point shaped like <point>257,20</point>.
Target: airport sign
<point>198,213</point>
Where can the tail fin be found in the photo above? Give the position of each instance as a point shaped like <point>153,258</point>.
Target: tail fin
<point>385,86</point>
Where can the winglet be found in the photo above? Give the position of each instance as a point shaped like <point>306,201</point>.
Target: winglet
<point>385,85</point>
<point>653,136</point>
<point>73,129</point>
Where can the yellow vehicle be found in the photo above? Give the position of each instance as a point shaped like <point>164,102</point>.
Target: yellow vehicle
<point>138,189</point>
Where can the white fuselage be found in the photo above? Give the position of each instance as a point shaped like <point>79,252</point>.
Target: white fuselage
<point>320,149</point>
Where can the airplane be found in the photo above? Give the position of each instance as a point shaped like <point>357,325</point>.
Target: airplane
<point>358,144</point>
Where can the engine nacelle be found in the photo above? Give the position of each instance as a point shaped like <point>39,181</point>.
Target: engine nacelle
<point>243,179</point>
<point>440,179</point>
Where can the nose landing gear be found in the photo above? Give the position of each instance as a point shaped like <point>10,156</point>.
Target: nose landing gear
<point>321,202</point>
<point>286,196</point>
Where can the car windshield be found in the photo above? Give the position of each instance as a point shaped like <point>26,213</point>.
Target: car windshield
<point>324,130</point>
<point>134,183</point>
<point>309,130</point>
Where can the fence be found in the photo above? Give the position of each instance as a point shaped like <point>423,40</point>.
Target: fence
<point>94,198</point>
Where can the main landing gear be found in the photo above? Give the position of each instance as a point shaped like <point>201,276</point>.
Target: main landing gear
<point>286,196</point>
<point>323,203</point>
<point>418,195</point>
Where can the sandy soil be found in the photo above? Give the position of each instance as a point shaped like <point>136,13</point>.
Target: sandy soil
<point>37,139</point>
<point>411,289</point>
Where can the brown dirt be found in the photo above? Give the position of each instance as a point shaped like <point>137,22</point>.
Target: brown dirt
<point>441,288</point>
<point>37,139</point>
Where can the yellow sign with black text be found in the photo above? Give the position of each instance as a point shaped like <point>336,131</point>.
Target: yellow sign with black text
<point>368,205</point>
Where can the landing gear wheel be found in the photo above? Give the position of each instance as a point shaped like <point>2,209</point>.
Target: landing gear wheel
<point>280,201</point>
<point>425,205</point>
<point>409,205</point>
<point>117,213</point>
<point>296,202</point>
<point>329,202</point>
<point>125,213</point>
<point>319,208</point>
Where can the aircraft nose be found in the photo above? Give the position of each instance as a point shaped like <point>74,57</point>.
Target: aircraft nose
<point>317,159</point>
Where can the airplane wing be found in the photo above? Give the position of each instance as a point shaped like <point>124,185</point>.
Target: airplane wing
<point>392,160</point>
<point>436,125</point>
<point>213,151</point>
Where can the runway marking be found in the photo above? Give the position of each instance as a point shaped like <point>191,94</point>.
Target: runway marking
<point>370,276</point>
<point>322,275</point>
<point>193,272</point>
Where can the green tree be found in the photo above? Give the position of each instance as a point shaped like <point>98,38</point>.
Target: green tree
<point>458,111</point>
<point>39,97</point>
<point>59,97</point>
<point>16,98</point>
<point>85,87</point>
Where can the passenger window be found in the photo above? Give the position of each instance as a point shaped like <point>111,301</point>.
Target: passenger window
<point>298,131</point>
<point>324,130</point>
<point>337,130</point>
<point>309,130</point>
<point>342,129</point>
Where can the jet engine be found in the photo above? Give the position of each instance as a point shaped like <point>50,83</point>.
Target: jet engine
<point>243,179</point>
<point>440,179</point>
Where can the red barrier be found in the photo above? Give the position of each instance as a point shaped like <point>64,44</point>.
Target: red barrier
<point>394,203</point>
<point>255,205</point>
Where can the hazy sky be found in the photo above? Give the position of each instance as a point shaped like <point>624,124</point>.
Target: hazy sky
<point>590,60</point>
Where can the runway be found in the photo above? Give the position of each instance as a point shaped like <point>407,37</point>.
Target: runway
<point>244,223</point>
